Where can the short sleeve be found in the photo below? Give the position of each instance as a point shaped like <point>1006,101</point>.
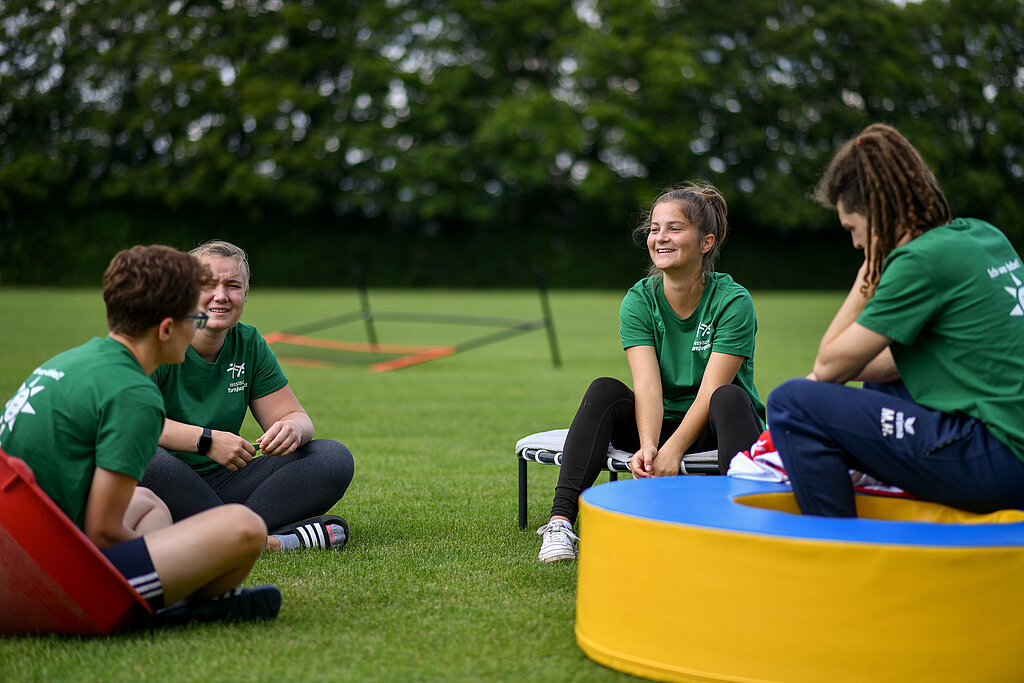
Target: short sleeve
<point>269,375</point>
<point>636,320</point>
<point>129,430</point>
<point>737,327</point>
<point>904,301</point>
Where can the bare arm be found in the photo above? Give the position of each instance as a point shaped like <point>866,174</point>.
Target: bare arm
<point>285,423</point>
<point>848,350</point>
<point>227,449</point>
<point>721,370</point>
<point>109,496</point>
<point>650,410</point>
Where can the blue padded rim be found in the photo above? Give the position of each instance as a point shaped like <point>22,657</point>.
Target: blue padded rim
<point>709,502</point>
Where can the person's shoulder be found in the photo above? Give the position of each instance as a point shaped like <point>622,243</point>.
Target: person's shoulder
<point>726,286</point>
<point>642,293</point>
<point>245,338</point>
<point>245,331</point>
<point>116,369</point>
<point>644,287</point>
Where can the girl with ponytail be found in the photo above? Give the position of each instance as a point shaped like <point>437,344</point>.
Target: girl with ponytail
<point>688,333</point>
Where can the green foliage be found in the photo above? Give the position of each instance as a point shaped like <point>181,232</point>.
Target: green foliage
<point>437,582</point>
<point>528,121</point>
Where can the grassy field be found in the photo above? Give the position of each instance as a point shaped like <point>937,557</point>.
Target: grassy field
<point>437,582</point>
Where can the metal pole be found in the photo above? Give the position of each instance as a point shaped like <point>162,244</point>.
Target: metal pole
<point>549,321</point>
<point>364,304</point>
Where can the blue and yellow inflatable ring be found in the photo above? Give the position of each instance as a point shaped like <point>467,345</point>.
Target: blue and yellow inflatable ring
<point>722,580</point>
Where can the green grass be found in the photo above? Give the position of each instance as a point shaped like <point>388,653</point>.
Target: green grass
<point>437,582</point>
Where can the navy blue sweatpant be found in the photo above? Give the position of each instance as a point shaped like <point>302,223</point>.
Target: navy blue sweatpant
<point>822,430</point>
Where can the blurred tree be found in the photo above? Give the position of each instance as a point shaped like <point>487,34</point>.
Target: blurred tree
<point>540,126</point>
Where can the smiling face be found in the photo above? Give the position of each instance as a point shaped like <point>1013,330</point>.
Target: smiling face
<point>225,302</point>
<point>856,224</point>
<point>673,242</point>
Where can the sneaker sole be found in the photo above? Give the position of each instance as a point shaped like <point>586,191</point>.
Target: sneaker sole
<point>559,556</point>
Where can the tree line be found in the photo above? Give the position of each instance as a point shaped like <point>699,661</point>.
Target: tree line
<point>464,141</point>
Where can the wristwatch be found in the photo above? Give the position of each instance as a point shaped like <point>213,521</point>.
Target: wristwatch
<point>205,441</point>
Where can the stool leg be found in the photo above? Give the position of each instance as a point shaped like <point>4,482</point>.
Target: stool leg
<point>522,494</point>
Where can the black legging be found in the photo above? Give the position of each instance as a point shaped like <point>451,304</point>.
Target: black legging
<point>280,489</point>
<point>608,415</point>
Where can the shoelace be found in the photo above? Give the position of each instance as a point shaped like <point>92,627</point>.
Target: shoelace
<point>557,527</point>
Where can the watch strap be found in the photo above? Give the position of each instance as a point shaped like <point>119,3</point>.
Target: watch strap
<point>205,441</point>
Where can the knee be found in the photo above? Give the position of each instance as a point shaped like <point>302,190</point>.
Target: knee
<point>147,497</point>
<point>338,455</point>
<point>728,397</point>
<point>787,399</point>
<point>248,528</point>
<point>605,390</point>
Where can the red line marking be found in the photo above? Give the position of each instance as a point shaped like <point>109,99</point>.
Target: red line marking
<point>361,347</point>
<point>414,359</point>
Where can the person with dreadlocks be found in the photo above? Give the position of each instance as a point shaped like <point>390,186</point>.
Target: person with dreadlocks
<point>933,326</point>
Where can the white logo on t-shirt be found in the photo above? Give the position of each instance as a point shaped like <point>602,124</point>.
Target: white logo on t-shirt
<point>1017,292</point>
<point>236,370</point>
<point>19,404</point>
<point>702,340</point>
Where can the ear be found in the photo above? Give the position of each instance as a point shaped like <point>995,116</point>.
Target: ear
<point>709,241</point>
<point>164,328</point>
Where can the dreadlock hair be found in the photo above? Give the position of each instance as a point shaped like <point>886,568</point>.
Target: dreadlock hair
<point>704,206</point>
<point>880,175</point>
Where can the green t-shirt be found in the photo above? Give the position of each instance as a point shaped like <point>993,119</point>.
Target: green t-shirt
<point>91,406</point>
<point>723,321</point>
<point>217,395</point>
<point>952,301</point>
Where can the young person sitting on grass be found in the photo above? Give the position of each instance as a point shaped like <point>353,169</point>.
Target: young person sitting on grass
<point>934,327</point>
<point>202,461</point>
<point>87,422</point>
<point>688,333</point>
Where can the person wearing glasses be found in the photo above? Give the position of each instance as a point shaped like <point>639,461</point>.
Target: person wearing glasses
<point>87,422</point>
<point>202,461</point>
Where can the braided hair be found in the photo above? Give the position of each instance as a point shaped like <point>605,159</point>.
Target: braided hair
<point>880,175</point>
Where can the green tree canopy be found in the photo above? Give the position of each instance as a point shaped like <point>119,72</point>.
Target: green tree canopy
<point>476,122</point>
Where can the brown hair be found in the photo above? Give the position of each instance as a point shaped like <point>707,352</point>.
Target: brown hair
<point>226,249</point>
<point>704,206</point>
<point>144,285</point>
<point>880,175</point>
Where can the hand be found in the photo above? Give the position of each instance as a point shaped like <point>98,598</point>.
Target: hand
<point>666,464</point>
<point>230,450</point>
<point>281,439</point>
<point>642,462</point>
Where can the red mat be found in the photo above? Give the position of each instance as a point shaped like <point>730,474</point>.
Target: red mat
<point>52,578</point>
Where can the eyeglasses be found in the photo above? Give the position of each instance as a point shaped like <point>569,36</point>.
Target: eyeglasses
<point>200,319</point>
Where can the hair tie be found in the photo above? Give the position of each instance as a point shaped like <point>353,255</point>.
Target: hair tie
<point>858,142</point>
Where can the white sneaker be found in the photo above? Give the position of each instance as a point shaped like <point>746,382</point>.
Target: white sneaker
<point>559,542</point>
